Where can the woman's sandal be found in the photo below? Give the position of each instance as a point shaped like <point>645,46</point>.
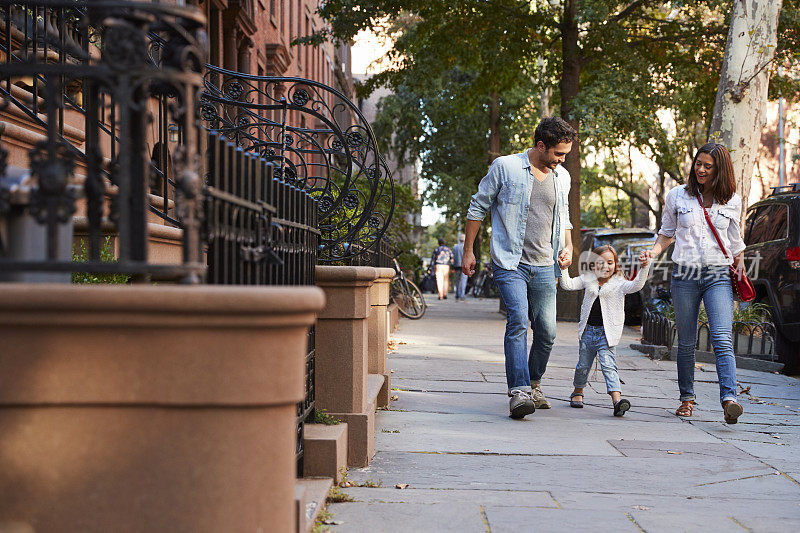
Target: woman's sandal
<point>576,403</point>
<point>685,409</point>
<point>733,410</point>
<point>621,406</point>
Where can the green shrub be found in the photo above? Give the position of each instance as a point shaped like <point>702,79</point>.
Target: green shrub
<point>81,255</point>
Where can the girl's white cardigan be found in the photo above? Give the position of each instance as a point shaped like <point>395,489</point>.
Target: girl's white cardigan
<point>612,299</point>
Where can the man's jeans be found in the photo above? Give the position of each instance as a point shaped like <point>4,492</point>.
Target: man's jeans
<point>713,286</point>
<point>594,343</point>
<point>529,293</point>
<point>461,283</point>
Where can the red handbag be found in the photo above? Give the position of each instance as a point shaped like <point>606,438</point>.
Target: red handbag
<point>742,286</point>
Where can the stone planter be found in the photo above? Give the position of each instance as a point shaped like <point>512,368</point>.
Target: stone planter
<point>143,408</point>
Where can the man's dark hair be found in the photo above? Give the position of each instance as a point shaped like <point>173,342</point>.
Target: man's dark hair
<point>442,242</point>
<point>554,130</point>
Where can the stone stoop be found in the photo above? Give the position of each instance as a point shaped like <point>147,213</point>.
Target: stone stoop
<point>361,426</point>
<point>394,316</point>
<point>325,451</point>
<point>311,497</point>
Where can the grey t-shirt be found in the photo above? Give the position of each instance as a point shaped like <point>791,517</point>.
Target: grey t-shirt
<point>538,247</point>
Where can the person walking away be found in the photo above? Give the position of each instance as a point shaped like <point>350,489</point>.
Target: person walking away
<point>461,278</point>
<point>701,269</point>
<point>601,320</point>
<point>527,195</point>
<point>442,259</point>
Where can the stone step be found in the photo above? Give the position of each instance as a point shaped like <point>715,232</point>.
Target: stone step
<point>325,450</point>
<point>311,497</point>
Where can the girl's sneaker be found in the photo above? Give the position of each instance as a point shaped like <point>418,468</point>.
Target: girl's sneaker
<point>621,406</point>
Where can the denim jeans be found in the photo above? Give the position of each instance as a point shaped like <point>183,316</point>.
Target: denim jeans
<point>461,283</point>
<point>594,343</point>
<point>529,293</point>
<point>713,286</point>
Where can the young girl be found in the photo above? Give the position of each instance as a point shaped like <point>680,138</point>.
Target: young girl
<point>602,317</point>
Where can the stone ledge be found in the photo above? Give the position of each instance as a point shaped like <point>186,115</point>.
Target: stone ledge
<point>345,275</point>
<point>325,450</point>
<point>311,497</point>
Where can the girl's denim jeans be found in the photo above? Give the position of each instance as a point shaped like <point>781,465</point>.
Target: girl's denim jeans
<point>594,343</point>
<point>712,285</point>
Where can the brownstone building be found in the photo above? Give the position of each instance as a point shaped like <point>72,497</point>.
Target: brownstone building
<point>255,37</point>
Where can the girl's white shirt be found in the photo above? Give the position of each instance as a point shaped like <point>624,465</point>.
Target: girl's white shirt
<point>612,299</point>
<point>683,219</point>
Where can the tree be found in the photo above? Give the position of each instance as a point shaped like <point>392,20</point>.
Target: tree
<point>743,86</point>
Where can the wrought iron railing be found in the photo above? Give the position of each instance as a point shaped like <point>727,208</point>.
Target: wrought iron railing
<point>79,70</point>
<point>320,142</point>
<point>292,171</point>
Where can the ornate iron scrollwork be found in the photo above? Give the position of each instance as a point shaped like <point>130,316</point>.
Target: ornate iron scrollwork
<point>321,143</point>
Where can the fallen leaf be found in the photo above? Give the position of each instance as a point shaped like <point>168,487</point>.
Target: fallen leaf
<point>776,436</point>
<point>674,453</point>
<point>401,486</point>
<point>395,397</point>
<point>641,507</point>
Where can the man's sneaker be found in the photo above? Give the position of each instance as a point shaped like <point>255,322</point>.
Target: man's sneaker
<point>538,398</point>
<point>521,404</point>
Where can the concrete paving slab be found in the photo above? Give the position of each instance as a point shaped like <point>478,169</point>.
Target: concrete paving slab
<point>514,520</point>
<point>516,498</point>
<point>546,432</point>
<point>405,517</point>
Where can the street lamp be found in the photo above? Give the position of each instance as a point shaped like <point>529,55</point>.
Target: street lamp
<point>174,133</point>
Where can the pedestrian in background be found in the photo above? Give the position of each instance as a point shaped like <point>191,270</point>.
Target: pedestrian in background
<point>442,259</point>
<point>461,278</point>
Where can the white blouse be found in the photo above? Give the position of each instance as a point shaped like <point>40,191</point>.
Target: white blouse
<point>695,244</point>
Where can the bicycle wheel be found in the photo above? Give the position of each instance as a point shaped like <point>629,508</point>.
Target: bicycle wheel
<point>408,298</point>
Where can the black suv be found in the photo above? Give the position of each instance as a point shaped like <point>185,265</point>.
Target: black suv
<point>628,242</point>
<point>772,236</point>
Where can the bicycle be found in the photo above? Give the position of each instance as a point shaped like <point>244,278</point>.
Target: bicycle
<point>406,295</point>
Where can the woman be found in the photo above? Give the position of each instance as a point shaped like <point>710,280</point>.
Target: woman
<point>701,269</point>
<point>442,259</point>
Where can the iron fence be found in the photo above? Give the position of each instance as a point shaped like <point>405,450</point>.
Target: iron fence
<point>80,72</point>
<point>750,339</point>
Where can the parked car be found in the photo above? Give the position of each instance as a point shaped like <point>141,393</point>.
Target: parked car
<point>628,242</point>
<point>772,236</point>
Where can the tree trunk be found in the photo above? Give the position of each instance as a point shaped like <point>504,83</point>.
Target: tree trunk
<point>739,110</point>
<point>570,84</point>
<point>494,127</point>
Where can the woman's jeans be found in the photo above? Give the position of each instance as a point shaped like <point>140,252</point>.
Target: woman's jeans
<point>712,284</point>
<point>594,343</point>
<point>529,293</point>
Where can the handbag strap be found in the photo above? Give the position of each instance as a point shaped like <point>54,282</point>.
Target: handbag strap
<point>711,225</point>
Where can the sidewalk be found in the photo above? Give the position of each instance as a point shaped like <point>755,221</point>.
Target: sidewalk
<point>469,467</point>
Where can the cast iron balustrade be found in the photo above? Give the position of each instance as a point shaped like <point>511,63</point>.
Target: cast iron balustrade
<point>88,62</point>
<point>320,143</point>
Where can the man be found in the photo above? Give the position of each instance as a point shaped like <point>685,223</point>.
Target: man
<point>442,259</point>
<point>461,278</point>
<point>527,194</point>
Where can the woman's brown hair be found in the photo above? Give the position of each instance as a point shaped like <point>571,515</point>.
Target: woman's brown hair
<point>723,186</point>
<point>608,248</point>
